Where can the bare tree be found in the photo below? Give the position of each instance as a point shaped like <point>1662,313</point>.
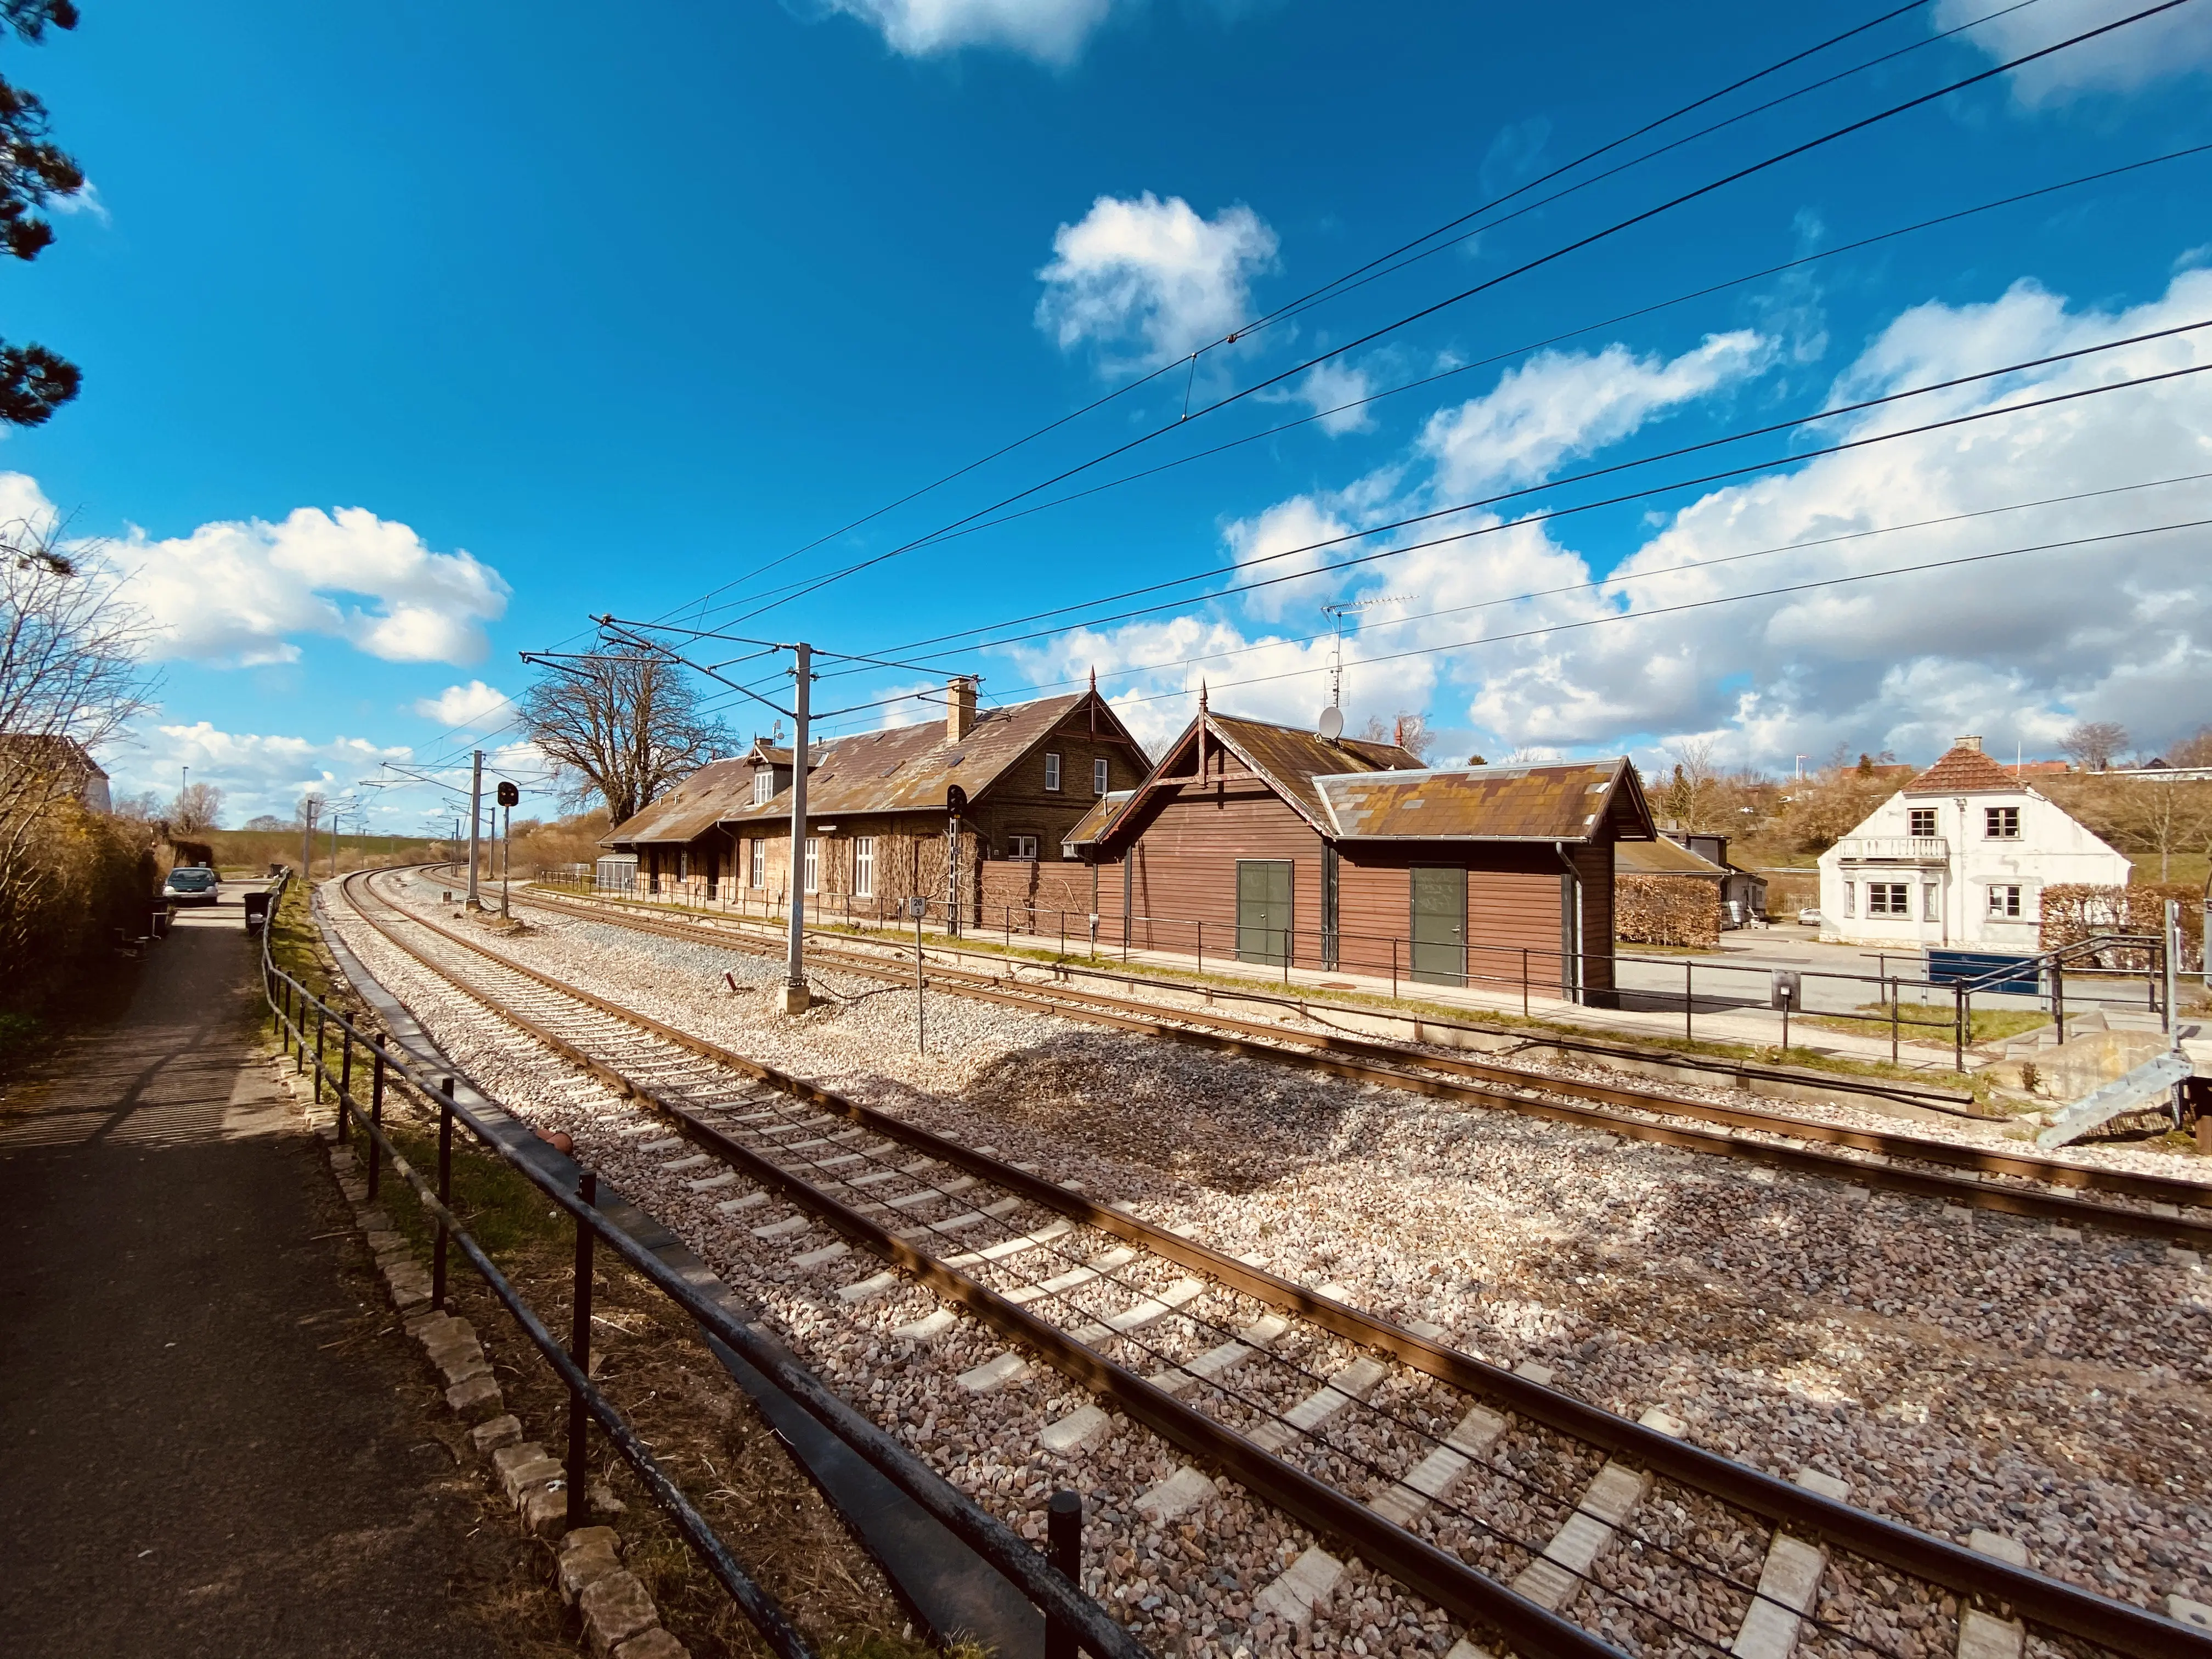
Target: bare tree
<point>197,809</point>
<point>2094,744</point>
<point>70,677</point>
<point>2145,816</point>
<point>621,727</point>
<point>1409,732</point>
<point>266,821</point>
<point>2192,750</point>
<point>1691,794</point>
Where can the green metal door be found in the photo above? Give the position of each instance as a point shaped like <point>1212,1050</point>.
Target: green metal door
<point>1439,925</point>
<point>1263,909</point>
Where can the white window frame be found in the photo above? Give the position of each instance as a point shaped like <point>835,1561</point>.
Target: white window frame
<point>763,786</point>
<point>1889,898</point>
<point>1991,818</point>
<point>1051,772</point>
<point>813,864</point>
<point>1931,901</point>
<point>1851,900</point>
<point>2006,903</point>
<point>1022,846</point>
<point>1914,816</point>
<point>864,866</point>
<point>759,862</point>
<point>1099,776</point>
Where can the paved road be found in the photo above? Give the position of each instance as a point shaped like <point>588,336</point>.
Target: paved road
<point>191,1469</point>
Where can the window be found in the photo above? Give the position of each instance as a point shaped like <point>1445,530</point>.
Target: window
<point>1021,847</point>
<point>760,862</point>
<point>813,863</point>
<point>864,866</point>
<point>1052,773</point>
<point>1851,898</point>
<point>2000,823</point>
<point>2004,902</point>
<point>1920,821</point>
<point>1889,898</point>
<point>1098,776</point>
<point>763,788</point>
<point>1931,902</point>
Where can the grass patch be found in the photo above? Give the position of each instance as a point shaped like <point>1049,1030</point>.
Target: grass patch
<point>1930,1022</point>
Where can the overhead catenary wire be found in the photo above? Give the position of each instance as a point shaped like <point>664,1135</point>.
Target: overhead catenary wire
<point>1590,239</point>
<point>1054,425</point>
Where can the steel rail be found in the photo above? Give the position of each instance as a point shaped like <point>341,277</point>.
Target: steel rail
<point>1029,1572</point>
<point>639,914</point>
<point>1371,1060</point>
<point>2052,1603</point>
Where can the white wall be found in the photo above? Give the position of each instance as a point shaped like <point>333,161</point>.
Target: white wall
<point>1948,902</point>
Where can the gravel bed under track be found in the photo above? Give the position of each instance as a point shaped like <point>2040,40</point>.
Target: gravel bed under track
<point>1956,1372</point>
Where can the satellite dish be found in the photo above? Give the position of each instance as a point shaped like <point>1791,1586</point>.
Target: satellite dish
<point>1332,724</point>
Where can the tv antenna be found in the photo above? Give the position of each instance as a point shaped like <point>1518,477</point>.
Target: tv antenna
<point>1336,613</point>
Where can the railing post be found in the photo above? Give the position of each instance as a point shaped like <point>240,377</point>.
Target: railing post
<point>1202,947</point>
<point>580,1350</point>
<point>1393,966</point>
<point>1958,1027</point>
<point>376,1117</point>
<point>319,1054</point>
<point>2058,997</point>
<point>345,1076</point>
<point>1064,1536</point>
<point>1689,1033</point>
<point>1892,1021</point>
<point>1524,981</point>
<point>444,1190</point>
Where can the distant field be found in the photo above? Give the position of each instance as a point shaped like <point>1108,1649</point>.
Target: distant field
<point>251,852</point>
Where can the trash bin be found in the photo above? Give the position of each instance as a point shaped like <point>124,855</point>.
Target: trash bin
<point>257,911</point>
<point>157,922</point>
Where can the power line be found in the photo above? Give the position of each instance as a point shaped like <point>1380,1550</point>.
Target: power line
<point>1702,604</point>
<point>1264,319</point>
<point>1832,413</point>
<point>1575,246</point>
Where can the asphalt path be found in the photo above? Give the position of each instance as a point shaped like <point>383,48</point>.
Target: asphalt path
<point>213,1442</point>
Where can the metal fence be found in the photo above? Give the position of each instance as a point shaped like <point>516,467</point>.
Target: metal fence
<point>1876,1002</point>
<point>1073,1618</point>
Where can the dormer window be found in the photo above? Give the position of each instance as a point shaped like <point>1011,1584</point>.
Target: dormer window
<point>763,786</point>
<point>2000,823</point>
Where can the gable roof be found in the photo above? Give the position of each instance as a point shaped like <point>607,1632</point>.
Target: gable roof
<point>1351,789</point>
<point>1961,771</point>
<point>901,769</point>
<point>1573,801</point>
<point>1662,857</point>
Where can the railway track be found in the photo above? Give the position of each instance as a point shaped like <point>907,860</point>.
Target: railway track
<point>2177,1211</point>
<point>1299,1396</point>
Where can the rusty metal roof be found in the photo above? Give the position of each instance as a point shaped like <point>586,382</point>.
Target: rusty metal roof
<point>1662,857</point>
<point>904,768</point>
<point>1087,830</point>
<point>1572,801</point>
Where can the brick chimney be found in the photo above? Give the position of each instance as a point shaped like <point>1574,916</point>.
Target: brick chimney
<point>959,707</point>
<point>1974,744</point>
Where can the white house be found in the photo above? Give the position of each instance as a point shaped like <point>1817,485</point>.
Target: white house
<point>1959,857</point>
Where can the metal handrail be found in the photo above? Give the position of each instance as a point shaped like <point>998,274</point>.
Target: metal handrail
<point>1052,1590</point>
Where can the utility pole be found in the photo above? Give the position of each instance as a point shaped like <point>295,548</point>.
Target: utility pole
<point>308,842</point>
<point>796,998</point>
<point>475,825</point>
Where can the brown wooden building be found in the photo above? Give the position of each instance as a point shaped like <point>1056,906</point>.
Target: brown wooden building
<point>877,827</point>
<point>1260,841</point>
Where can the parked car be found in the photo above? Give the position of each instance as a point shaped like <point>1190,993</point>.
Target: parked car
<point>193,884</point>
<point>1808,918</point>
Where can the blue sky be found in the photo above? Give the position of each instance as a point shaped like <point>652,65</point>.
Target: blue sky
<point>412,337</point>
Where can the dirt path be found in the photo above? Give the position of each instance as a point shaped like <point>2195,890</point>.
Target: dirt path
<point>208,1448</point>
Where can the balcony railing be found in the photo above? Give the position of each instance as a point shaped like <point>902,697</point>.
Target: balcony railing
<point>1915,849</point>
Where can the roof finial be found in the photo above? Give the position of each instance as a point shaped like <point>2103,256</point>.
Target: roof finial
<point>1201,696</point>
<point>1094,679</point>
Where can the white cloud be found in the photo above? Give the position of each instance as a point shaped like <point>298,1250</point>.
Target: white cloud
<point>2014,648</point>
<point>256,773</point>
<point>464,707</point>
<point>2177,42</point>
<point>1285,536</point>
<point>86,200</point>
<point>241,591</point>
<point>1051,31</point>
<point>1144,282</point>
<point>1329,387</point>
<point>1561,404</point>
